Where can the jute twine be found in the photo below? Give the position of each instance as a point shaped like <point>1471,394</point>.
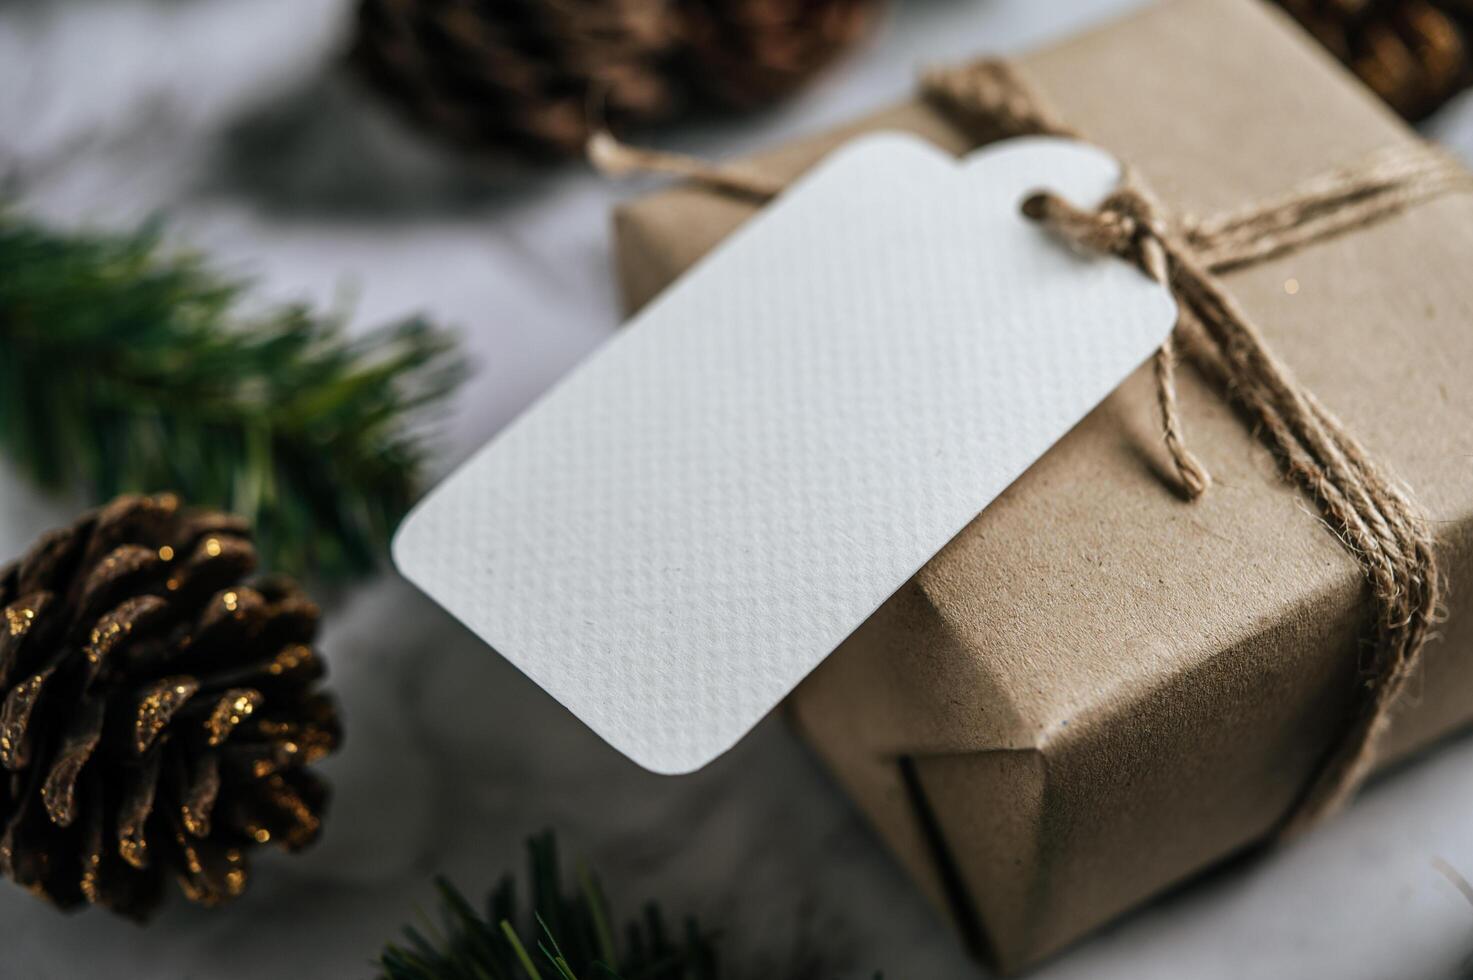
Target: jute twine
<point>1368,509</point>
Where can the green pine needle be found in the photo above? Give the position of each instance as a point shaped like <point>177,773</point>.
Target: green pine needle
<point>575,941</point>
<point>523,957</point>
<point>127,368</point>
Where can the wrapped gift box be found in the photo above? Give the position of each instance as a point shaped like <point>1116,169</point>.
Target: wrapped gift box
<point>1098,689</point>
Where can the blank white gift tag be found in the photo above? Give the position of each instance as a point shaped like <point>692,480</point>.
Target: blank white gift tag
<point>696,516</point>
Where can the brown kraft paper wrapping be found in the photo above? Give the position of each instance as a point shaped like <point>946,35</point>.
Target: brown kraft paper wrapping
<point>1097,689</point>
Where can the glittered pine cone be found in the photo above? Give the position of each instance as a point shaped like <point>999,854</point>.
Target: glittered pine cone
<point>158,714</point>
<point>522,78</point>
<point>744,54</point>
<point>1415,54</point>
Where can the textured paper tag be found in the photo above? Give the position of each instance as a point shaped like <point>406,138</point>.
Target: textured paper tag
<point>684,527</point>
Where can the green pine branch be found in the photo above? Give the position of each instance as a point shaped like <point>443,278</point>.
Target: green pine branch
<point>124,367</point>
<point>565,934</point>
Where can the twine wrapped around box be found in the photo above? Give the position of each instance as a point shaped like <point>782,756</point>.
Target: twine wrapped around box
<point>1363,505</point>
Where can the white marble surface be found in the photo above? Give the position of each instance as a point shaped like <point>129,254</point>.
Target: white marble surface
<point>226,116</point>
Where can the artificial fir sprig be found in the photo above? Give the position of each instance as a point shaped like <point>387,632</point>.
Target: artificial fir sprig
<point>126,367</point>
<point>565,935</point>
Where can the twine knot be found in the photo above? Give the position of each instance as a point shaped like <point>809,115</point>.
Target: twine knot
<point>1126,224</point>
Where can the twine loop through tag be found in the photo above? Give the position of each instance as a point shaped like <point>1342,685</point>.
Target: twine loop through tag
<point>1127,224</point>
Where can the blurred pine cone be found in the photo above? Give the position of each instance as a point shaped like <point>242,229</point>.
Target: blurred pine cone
<point>157,714</point>
<point>1415,54</point>
<point>522,78</point>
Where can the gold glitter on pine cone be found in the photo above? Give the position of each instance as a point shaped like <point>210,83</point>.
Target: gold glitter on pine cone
<point>523,78</point>
<point>158,714</point>
<point>1415,54</point>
